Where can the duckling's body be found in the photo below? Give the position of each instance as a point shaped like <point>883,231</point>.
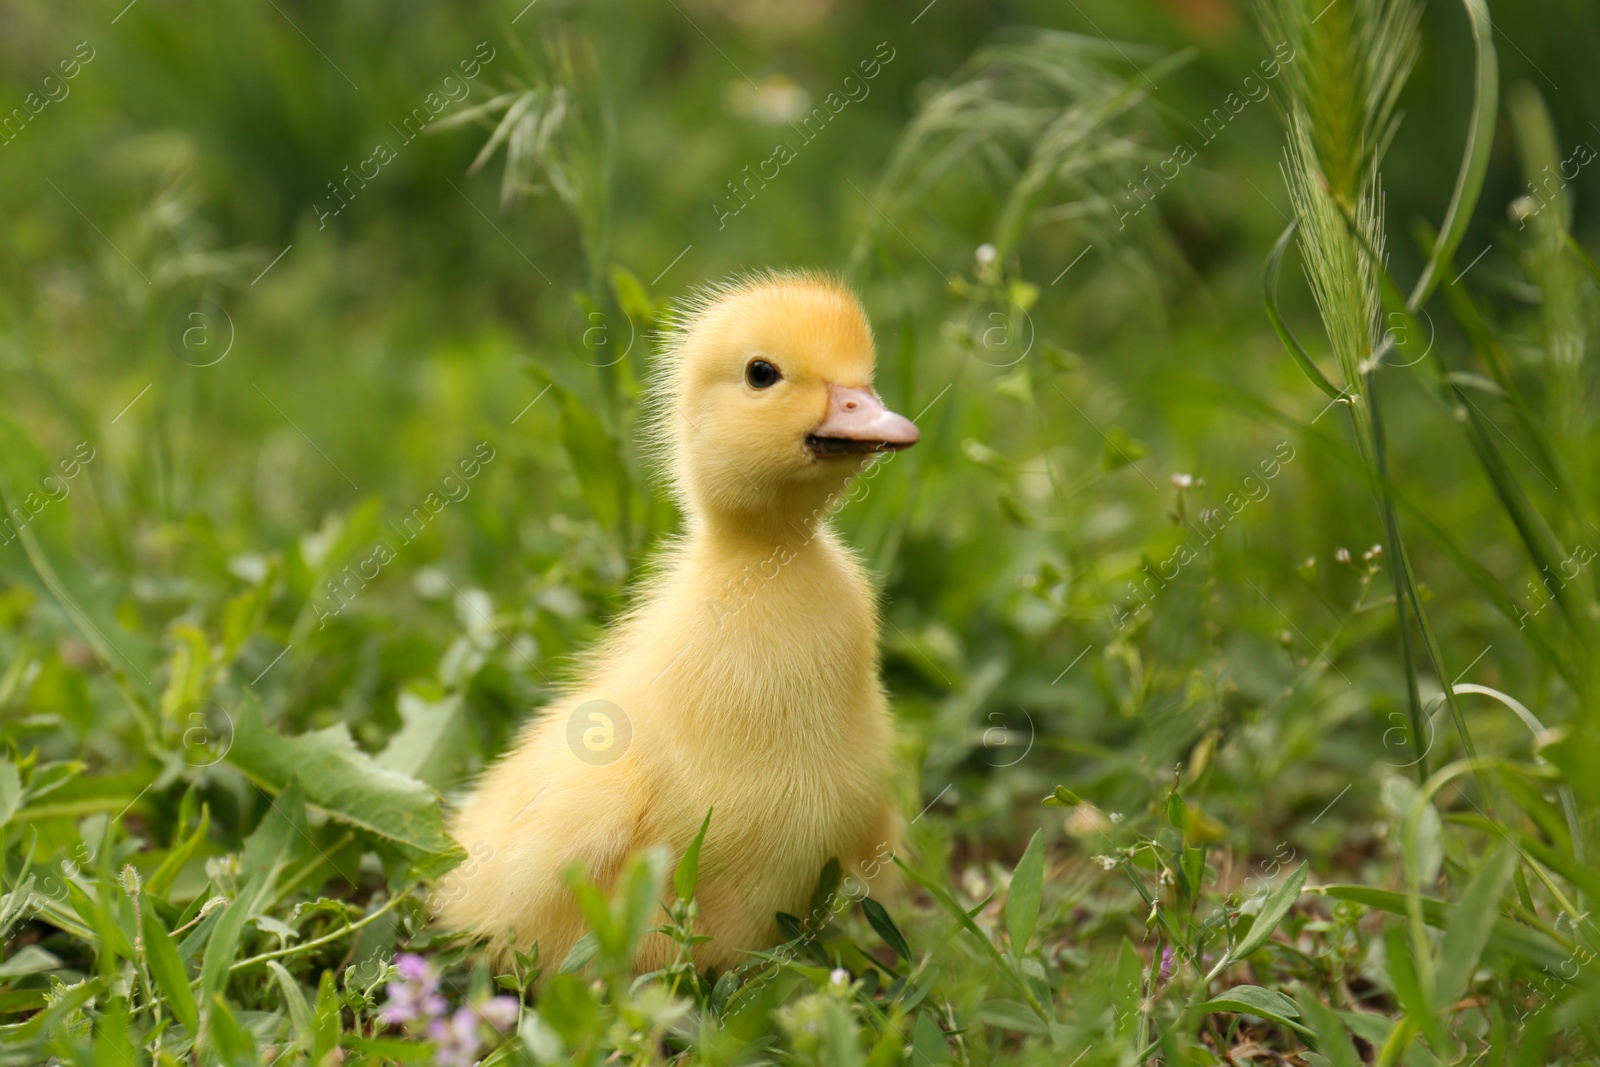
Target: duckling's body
<point>747,672</point>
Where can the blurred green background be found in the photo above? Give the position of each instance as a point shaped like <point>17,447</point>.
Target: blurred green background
<point>270,388</point>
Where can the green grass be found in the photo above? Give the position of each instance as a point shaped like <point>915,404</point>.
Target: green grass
<point>1240,648</point>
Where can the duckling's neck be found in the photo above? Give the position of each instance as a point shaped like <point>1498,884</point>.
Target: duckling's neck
<point>730,535</point>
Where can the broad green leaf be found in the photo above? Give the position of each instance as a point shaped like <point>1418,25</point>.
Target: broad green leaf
<point>583,950</point>
<point>1273,909</point>
<point>346,783</point>
<point>1471,922</point>
<point>1420,829</point>
<point>1255,1000</point>
<point>928,1041</point>
<point>1010,1015</point>
<point>429,739</point>
<point>880,921</point>
<point>687,872</point>
<point>1027,886</point>
<point>161,955</point>
<point>29,959</point>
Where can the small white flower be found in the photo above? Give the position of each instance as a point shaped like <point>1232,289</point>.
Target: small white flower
<point>1372,553</point>
<point>1183,481</point>
<point>1106,863</point>
<point>1116,816</point>
<point>985,254</point>
<point>839,977</point>
<point>1342,555</point>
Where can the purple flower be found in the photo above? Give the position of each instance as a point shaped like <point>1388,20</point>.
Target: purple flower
<point>500,1012</point>
<point>455,1040</point>
<point>413,968</point>
<point>416,998</point>
<point>1166,963</point>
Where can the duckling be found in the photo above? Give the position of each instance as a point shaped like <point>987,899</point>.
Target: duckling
<point>743,681</point>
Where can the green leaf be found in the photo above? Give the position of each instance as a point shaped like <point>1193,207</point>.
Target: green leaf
<point>687,873</point>
<point>10,791</point>
<point>1276,906</point>
<point>1027,886</point>
<point>1256,1001</point>
<point>1506,936</point>
<point>632,298</point>
<point>583,950</point>
<point>159,881</point>
<point>878,918</point>
<point>244,612</point>
<point>232,1041</point>
<point>429,739</point>
<point>1269,292</point>
<point>299,1010</point>
<point>326,1021</point>
<point>954,908</point>
<point>29,959</point>
<point>161,955</point>
<point>1127,987</point>
<point>1408,989</point>
<point>1010,1015</point>
<point>347,784</point>
<point>1062,798</point>
<point>596,462</point>
<point>928,1041</point>
<point>1471,923</point>
<point>1332,1040</point>
<point>824,896</point>
<point>1474,156</point>
<point>111,1042</point>
<point>266,852</point>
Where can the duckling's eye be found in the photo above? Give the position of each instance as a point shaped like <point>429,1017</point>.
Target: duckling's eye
<point>761,374</point>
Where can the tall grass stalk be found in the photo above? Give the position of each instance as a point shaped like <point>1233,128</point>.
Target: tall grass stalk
<point>1353,60</point>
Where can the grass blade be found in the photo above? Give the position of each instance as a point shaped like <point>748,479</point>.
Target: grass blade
<point>1027,885</point>
<point>1273,909</point>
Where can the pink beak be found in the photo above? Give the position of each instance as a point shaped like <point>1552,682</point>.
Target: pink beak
<point>856,422</point>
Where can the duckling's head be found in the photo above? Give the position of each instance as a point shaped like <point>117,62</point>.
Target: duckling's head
<point>766,405</point>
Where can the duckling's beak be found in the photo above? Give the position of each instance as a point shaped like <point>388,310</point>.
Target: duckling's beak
<point>857,422</point>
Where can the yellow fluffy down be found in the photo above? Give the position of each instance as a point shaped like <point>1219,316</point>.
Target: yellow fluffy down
<point>744,679</point>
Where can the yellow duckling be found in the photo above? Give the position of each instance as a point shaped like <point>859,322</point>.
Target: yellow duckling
<point>744,679</point>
